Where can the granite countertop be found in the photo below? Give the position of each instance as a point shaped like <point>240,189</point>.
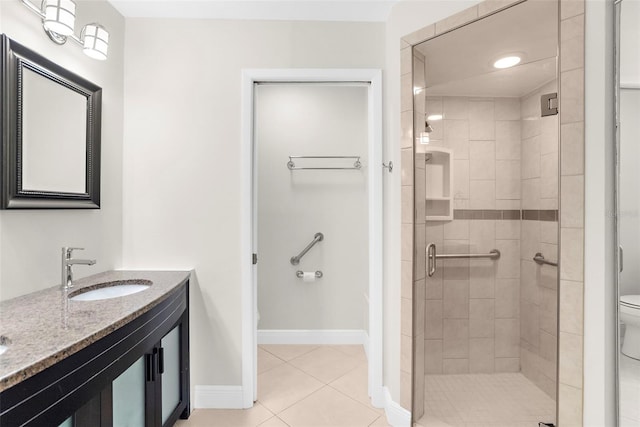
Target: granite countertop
<point>45,327</point>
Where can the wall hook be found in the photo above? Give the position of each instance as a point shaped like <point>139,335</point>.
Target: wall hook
<point>389,166</point>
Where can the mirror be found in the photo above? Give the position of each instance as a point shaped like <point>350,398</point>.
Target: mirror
<point>51,134</point>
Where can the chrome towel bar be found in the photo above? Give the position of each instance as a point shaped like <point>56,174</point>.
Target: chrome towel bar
<point>432,257</point>
<point>292,166</point>
<point>318,237</point>
<point>539,259</point>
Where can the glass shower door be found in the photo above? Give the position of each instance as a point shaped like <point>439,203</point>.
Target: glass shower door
<point>628,218</point>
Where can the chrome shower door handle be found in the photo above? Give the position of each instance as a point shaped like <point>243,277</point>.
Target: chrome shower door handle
<point>620,259</point>
<point>431,259</point>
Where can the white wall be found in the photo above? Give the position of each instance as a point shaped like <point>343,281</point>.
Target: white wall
<point>31,240</point>
<point>629,215</point>
<point>628,219</point>
<point>599,286</point>
<point>312,120</point>
<point>630,34</point>
<point>182,154</point>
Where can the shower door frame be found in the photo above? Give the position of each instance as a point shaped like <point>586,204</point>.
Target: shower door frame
<point>248,244</point>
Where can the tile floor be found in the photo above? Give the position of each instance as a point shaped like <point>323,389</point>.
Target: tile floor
<point>484,400</point>
<point>303,386</point>
<point>629,392</point>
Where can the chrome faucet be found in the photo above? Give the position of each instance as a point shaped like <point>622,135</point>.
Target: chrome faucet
<point>68,262</point>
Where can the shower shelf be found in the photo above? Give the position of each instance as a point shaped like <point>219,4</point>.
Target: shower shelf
<point>439,184</point>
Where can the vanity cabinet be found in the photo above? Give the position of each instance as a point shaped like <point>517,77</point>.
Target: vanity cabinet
<point>137,376</point>
<point>150,392</point>
<point>128,396</point>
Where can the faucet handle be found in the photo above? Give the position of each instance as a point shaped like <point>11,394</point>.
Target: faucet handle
<point>67,251</point>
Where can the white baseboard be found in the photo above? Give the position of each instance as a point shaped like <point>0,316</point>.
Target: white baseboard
<point>397,416</point>
<point>218,397</point>
<point>230,397</point>
<point>314,336</point>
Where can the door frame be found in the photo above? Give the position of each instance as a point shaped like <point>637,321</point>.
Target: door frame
<point>248,227</point>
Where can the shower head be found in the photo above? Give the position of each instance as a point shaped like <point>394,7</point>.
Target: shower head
<point>427,127</point>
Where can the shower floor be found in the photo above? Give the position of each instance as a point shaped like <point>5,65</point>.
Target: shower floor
<point>484,400</point>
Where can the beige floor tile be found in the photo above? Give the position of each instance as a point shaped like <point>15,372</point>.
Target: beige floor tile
<point>354,385</point>
<point>274,422</point>
<point>380,422</point>
<point>267,361</point>
<point>325,363</point>
<point>328,408</point>
<point>287,352</point>
<point>351,350</point>
<point>281,387</point>
<point>227,417</point>
<point>428,421</point>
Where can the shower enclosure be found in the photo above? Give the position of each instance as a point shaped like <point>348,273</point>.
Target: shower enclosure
<point>486,172</point>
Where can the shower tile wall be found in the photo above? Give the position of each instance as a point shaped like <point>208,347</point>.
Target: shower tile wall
<point>496,316</point>
<point>539,285</point>
<point>472,306</point>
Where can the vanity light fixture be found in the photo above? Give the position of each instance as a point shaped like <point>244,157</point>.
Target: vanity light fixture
<point>58,20</point>
<point>507,62</point>
<point>95,40</point>
<point>59,16</point>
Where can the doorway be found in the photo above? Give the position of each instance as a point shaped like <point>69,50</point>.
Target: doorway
<point>307,277</point>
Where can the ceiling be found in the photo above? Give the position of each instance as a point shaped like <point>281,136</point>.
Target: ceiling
<point>291,10</point>
<point>460,63</point>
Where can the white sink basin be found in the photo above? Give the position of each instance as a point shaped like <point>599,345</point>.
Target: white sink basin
<point>4,344</point>
<point>110,290</point>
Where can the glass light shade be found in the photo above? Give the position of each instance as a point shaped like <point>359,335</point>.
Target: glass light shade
<point>506,62</point>
<point>95,39</point>
<point>423,138</point>
<point>59,16</point>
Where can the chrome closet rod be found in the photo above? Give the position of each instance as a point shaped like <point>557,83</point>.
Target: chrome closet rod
<point>318,237</point>
<point>539,259</point>
<point>493,254</point>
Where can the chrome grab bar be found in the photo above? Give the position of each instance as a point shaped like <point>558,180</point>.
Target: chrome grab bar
<point>539,259</point>
<point>432,257</point>
<point>318,237</point>
<point>493,254</point>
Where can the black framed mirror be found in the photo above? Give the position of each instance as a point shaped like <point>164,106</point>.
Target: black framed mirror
<point>51,126</point>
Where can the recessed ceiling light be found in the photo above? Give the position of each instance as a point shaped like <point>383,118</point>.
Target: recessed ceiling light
<point>507,61</point>
<point>434,117</point>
